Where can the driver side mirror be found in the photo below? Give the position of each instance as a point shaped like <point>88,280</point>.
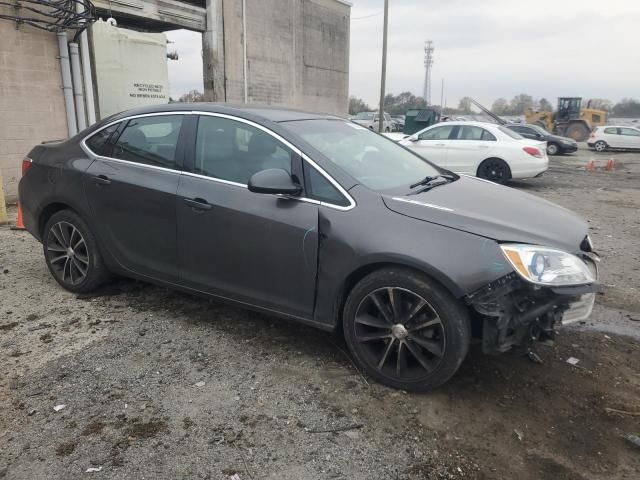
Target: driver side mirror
<point>274,181</point>
<point>414,138</point>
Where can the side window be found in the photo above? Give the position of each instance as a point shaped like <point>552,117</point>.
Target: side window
<point>234,151</point>
<point>611,131</point>
<point>98,142</point>
<point>467,132</point>
<point>438,133</point>
<point>630,132</point>
<point>319,188</point>
<point>150,141</point>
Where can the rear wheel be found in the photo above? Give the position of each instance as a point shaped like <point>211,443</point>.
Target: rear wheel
<point>71,253</point>
<point>404,330</point>
<point>552,149</point>
<point>495,170</point>
<point>600,146</point>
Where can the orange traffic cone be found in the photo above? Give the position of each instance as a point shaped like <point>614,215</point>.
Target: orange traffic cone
<point>591,166</point>
<point>19,224</point>
<point>611,165</point>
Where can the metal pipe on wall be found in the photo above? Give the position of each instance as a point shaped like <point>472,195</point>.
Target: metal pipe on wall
<point>76,77</point>
<point>67,88</point>
<point>88,79</point>
<point>86,72</point>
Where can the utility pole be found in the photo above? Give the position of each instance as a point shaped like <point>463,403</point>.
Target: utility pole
<point>428,63</point>
<point>384,66</point>
<point>442,98</point>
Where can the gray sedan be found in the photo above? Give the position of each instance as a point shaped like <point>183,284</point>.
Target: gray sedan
<point>312,218</point>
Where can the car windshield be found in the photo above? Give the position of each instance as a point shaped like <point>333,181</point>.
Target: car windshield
<point>511,133</point>
<point>364,116</point>
<point>373,160</point>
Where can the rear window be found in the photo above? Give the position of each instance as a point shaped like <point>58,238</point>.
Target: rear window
<point>98,142</point>
<point>511,133</point>
<point>611,131</point>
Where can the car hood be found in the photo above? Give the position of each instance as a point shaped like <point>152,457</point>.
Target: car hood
<point>558,138</point>
<point>494,211</point>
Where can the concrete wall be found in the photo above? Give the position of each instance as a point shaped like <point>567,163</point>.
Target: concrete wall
<point>297,52</point>
<point>31,101</point>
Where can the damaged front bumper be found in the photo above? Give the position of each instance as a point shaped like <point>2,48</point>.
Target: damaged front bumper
<point>514,313</point>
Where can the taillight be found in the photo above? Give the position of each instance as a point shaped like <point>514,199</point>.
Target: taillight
<point>26,165</point>
<point>533,151</point>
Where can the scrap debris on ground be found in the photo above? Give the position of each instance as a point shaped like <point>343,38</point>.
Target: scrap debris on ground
<point>142,382</point>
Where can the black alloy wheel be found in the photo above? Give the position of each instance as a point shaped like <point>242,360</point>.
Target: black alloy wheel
<point>494,170</point>
<point>68,253</point>
<point>408,333</point>
<point>71,253</point>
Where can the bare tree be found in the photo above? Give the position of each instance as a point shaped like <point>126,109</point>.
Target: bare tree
<point>192,96</point>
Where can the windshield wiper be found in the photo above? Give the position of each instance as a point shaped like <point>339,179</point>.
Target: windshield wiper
<point>427,181</point>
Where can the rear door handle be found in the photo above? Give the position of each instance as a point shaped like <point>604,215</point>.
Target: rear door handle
<point>439,145</point>
<point>101,180</point>
<point>198,203</point>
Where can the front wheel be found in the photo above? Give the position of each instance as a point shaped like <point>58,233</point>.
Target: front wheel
<point>71,253</point>
<point>495,170</point>
<point>404,330</point>
<point>600,146</point>
<point>552,149</point>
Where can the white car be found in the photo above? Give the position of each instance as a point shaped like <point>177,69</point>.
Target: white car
<point>603,138</point>
<point>371,121</point>
<point>486,150</point>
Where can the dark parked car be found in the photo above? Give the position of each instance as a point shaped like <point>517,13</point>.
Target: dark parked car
<point>556,145</point>
<point>312,218</point>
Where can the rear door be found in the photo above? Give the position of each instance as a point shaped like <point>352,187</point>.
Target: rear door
<point>432,144</point>
<point>131,188</point>
<point>469,146</point>
<point>612,136</point>
<point>254,248</point>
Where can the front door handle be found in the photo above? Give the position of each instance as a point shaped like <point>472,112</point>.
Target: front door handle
<point>101,180</point>
<point>198,203</point>
<point>439,145</point>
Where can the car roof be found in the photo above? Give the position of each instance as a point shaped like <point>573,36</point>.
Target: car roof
<point>474,123</point>
<point>264,112</point>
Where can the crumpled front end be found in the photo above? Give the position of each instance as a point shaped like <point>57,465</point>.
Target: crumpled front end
<point>512,312</point>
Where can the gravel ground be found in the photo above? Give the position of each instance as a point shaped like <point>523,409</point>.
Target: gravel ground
<point>157,384</point>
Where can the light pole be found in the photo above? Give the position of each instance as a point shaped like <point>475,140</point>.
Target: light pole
<point>384,67</point>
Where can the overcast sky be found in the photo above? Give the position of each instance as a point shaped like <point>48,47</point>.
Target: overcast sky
<point>483,49</point>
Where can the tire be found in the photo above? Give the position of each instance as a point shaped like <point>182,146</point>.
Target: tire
<point>71,253</point>
<point>600,146</point>
<point>494,170</point>
<point>384,343</point>
<point>553,149</point>
<point>578,131</point>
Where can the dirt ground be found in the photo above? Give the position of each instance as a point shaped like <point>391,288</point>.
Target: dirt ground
<point>160,385</point>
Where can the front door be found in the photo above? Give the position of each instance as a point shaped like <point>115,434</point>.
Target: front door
<point>131,188</point>
<point>630,137</point>
<point>432,144</point>
<point>255,248</point>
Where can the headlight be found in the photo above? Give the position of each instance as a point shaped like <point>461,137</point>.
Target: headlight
<point>547,266</point>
